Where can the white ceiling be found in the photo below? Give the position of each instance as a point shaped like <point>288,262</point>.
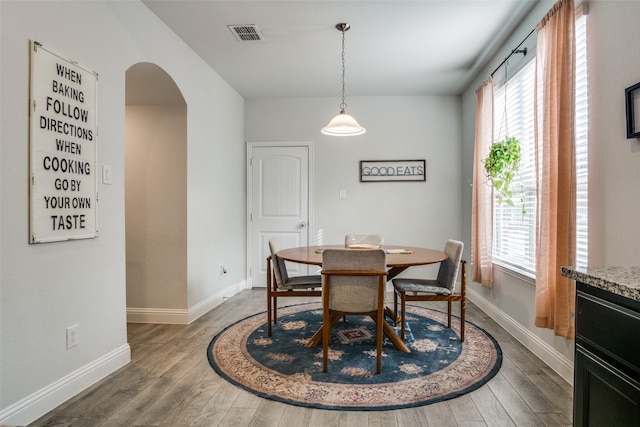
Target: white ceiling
<point>394,47</point>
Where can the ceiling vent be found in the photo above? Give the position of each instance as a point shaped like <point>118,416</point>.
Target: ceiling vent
<point>246,33</point>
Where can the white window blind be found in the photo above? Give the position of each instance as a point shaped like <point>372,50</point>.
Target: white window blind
<point>514,233</point>
<point>582,146</point>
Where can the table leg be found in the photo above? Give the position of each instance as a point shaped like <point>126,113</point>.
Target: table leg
<point>393,272</point>
<point>317,337</point>
<point>386,328</point>
<point>394,338</point>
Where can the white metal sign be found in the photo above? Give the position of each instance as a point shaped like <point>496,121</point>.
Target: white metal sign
<point>63,148</point>
<point>392,170</point>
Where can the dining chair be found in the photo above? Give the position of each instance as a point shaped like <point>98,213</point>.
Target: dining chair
<point>363,241</point>
<point>440,289</point>
<point>353,282</point>
<point>279,284</point>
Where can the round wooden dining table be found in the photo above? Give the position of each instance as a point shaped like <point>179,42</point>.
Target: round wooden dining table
<point>398,259</point>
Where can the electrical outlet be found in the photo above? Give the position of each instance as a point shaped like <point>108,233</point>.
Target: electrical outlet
<point>73,336</point>
<point>223,270</point>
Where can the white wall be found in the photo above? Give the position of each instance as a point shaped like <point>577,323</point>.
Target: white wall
<point>614,161</point>
<point>614,170</point>
<point>398,128</point>
<point>156,207</point>
<point>47,287</point>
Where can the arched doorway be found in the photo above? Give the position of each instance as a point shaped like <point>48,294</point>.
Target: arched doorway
<point>155,196</point>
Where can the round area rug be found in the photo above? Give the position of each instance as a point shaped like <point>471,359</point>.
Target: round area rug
<point>281,368</point>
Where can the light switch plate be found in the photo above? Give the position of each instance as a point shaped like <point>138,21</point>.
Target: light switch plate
<point>106,174</point>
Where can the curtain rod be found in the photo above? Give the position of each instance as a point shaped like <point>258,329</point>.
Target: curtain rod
<point>516,50</point>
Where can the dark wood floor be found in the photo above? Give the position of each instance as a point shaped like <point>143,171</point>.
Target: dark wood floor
<point>169,383</point>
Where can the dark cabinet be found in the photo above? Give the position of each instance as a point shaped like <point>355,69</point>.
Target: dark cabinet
<point>607,359</point>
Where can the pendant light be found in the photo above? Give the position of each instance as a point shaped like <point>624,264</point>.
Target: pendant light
<point>343,124</point>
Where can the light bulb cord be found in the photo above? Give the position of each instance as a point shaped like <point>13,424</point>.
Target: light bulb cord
<point>343,105</point>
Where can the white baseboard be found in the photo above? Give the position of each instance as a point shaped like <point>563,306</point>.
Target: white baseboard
<point>44,400</point>
<point>182,316</point>
<point>34,406</point>
<point>207,305</point>
<point>556,361</point>
<point>157,315</point>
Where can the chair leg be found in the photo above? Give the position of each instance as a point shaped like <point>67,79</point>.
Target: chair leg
<point>463,307</point>
<point>268,312</point>
<point>379,341</point>
<point>403,313</point>
<point>395,308</point>
<point>326,336</point>
<point>326,328</point>
<point>449,314</point>
<point>463,298</point>
<point>269,296</point>
<point>275,309</point>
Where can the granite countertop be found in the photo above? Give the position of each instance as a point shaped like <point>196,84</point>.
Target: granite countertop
<point>623,281</point>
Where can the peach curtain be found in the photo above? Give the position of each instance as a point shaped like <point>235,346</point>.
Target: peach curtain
<point>555,164</point>
<point>482,204</point>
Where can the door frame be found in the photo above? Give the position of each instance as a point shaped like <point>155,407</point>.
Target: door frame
<point>249,195</point>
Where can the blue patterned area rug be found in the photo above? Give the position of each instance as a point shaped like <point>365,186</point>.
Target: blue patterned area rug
<point>281,368</point>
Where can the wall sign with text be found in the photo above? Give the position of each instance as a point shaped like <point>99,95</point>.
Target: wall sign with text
<point>392,170</point>
<point>63,147</point>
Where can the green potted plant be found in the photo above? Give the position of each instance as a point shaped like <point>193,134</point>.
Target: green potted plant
<point>501,166</point>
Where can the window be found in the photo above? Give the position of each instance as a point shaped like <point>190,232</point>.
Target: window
<point>514,233</point>
<point>582,146</point>
<point>514,241</point>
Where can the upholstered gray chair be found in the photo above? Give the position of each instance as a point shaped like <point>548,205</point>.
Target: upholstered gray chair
<point>279,284</point>
<point>353,283</point>
<point>440,289</point>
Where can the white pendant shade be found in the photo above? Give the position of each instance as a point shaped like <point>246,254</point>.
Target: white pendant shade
<point>343,125</point>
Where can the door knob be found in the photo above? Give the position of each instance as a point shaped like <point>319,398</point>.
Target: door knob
<point>303,224</point>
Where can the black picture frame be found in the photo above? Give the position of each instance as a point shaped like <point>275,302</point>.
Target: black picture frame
<point>393,170</point>
<point>632,98</point>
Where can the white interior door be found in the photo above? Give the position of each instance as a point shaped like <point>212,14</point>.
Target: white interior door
<point>278,204</point>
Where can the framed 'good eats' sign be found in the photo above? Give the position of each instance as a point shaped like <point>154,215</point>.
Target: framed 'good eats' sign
<point>392,170</point>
